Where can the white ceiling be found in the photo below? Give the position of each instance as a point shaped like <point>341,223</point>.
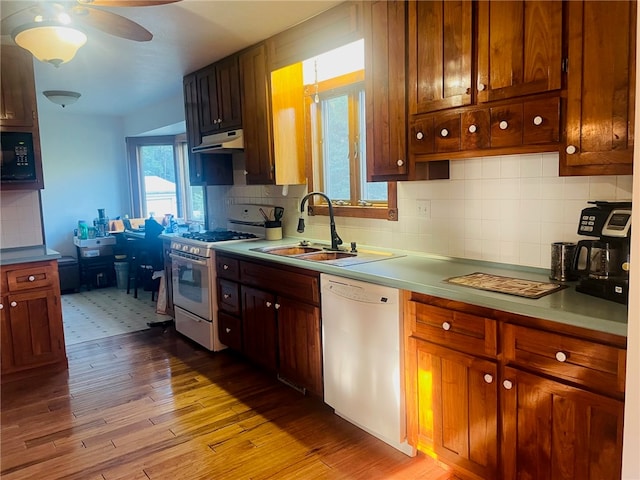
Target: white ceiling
<point>117,76</point>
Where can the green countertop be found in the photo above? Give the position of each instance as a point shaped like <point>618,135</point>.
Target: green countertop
<point>427,274</point>
<point>34,253</point>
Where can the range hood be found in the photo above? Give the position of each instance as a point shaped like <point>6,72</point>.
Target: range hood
<point>220,142</point>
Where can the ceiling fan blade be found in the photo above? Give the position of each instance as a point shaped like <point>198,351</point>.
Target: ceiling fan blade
<point>112,24</point>
<point>125,3</point>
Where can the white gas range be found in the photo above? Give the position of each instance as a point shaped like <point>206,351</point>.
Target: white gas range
<point>194,271</point>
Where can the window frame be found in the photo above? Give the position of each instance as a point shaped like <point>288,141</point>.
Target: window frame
<point>386,211</point>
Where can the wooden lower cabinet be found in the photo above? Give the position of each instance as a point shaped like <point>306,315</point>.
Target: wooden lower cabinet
<point>259,327</point>
<point>458,406</point>
<point>31,329</point>
<point>555,431</point>
<point>547,403</point>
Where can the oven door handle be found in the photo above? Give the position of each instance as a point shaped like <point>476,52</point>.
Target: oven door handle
<point>173,256</point>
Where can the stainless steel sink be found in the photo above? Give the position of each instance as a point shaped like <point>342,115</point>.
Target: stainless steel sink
<point>319,253</point>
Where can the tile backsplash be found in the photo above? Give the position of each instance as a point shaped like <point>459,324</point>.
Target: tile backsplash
<point>20,218</point>
<point>506,209</point>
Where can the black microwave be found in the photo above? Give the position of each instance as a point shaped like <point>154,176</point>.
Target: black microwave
<point>18,161</point>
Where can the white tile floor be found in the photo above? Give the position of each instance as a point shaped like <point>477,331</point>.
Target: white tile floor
<point>106,312</point>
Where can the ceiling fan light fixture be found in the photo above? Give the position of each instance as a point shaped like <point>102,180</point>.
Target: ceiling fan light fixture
<point>61,97</point>
<point>50,41</point>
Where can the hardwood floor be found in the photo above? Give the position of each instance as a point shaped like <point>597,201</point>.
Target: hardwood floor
<point>148,405</point>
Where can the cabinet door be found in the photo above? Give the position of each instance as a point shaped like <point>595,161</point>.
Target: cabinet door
<point>256,114</point>
<point>550,430</point>
<point>259,330</point>
<point>6,347</point>
<point>386,114</point>
<point>600,89</point>
<point>440,55</point>
<point>458,407</point>
<point>35,323</point>
<point>228,101</point>
<point>17,108</point>
<point>519,48</point>
<point>208,113</point>
<point>300,350</point>
<point>192,122</point>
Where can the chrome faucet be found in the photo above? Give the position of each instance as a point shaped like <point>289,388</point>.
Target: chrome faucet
<point>335,238</point>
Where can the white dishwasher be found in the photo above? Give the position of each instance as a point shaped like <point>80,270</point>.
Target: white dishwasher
<point>362,357</point>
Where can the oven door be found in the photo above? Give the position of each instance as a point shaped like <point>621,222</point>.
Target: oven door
<point>190,284</point>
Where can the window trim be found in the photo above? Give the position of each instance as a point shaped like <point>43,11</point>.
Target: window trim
<point>318,206</point>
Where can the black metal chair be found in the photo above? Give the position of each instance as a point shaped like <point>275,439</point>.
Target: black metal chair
<point>144,257</point>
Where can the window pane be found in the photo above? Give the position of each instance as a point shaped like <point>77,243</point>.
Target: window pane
<point>374,192</point>
<point>157,167</point>
<point>335,128</point>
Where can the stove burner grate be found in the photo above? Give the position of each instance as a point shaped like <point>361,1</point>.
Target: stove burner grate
<point>218,236</point>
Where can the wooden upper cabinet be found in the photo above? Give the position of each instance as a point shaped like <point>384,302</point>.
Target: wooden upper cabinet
<point>18,106</point>
<point>256,112</point>
<point>220,106</point>
<point>385,90</point>
<point>519,48</point>
<point>600,88</point>
<point>440,55</point>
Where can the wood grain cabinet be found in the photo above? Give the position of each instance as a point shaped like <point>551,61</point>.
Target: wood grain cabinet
<point>31,317</point>
<point>385,94</point>
<point>500,396</point>
<point>600,108</point>
<point>272,315</point>
<point>18,107</point>
<point>219,98</point>
<point>256,114</point>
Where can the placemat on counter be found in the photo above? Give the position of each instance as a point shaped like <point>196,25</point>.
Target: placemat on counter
<point>509,285</point>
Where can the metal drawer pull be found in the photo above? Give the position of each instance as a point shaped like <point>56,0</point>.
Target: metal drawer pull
<point>504,125</point>
<point>226,295</point>
<point>32,278</point>
<point>537,120</point>
<point>400,163</point>
<point>225,267</point>
<point>507,384</point>
<point>227,329</point>
<point>571,149</point>
<point>473,128</point>
<point>446,326</point>
<point>268,304</point>
<point>14,304</point>
<point>444,132</point>
<point>277,306</point>
<point>488,378</point>
<point>419,135</point>
<point>561,356</point>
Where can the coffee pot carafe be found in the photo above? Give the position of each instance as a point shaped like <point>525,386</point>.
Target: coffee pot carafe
<point>598,259</point>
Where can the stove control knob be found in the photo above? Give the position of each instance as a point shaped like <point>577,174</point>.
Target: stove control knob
<point>185,248</point>
<point>195,250</point>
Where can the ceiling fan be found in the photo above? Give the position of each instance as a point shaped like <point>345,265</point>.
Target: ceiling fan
<point>40,25</point>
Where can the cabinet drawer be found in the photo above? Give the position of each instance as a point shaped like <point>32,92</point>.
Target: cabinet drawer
<point>290,283</point>
<point>506,126</point>
<point>461,331</point>
<point>421,135</point>
<point>598,366</point>
<point>475,133</point>
<point>32,277</point>
<point>541,121</point>
<point>230,331</point>
<point>229,296</point>
<point>447,133</point>
<point>227,267</point>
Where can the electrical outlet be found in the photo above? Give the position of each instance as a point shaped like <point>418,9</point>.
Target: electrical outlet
<point>423,208</point>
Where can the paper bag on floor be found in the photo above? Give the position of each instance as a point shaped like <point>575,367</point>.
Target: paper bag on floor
<point>161,305</point>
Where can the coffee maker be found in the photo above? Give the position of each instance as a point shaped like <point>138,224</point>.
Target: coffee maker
<point>602,265</point>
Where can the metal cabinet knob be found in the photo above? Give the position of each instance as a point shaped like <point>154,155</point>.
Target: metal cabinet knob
<point>400,163</point>
<point>245,172</point>
<point>481,87</point>
<point>507,384</point>
<point>444,132</point>
<point>561,356</point>
<point>268,304</point>
<point>228,330</point>
<point>537,120</point>
<point>14,304</point>
<point>225,267</point>
<point>446,326</point>
<point>276,306</point>
<point>32,278</point>
<point>226,295</point>
<point>419,135</point>
<point>1,306</point>
<point>504,125</point>
<point>488,378</point>
<point>472,128</point>
<point>571,149</point>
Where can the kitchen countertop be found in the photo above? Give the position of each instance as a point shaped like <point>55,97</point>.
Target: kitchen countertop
<point>426,274</point>
<point>34,253</point>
